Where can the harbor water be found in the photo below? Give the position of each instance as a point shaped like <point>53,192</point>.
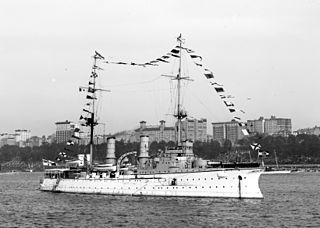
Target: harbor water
<point>290,200</point>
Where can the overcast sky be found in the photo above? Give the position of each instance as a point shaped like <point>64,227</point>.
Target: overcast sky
<point>265,53</point>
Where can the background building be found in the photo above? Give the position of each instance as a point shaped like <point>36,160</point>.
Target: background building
<point>308,131</point>
<point>272,126</point>
<point>194,130</point>
<point>19,138</point>
<point>156,133</point>
<point>22,137</point>
<point>35,141</point>
<point>64,131</point>
<point>227,131</point>
<point>7,139</point>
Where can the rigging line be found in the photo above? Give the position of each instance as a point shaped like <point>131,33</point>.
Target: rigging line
<point>136,83</point>
<point>200,102</point>
<point>138,90</point>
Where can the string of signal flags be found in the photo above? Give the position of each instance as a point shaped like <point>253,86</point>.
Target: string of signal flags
<point>197,60</point>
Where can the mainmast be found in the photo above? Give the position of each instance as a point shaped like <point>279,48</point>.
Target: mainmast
<point>179,113</point>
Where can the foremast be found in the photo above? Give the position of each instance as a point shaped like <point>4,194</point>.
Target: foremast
<point>91,121</point>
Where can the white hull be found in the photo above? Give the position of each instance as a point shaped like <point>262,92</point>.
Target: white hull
<point>210,183</point>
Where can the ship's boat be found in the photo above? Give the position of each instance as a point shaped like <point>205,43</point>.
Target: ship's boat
<point>176,171</point>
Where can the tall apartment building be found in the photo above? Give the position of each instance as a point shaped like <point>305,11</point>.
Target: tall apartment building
<point>227,131</point>
<point>194,130</point>
<point>256,125</point>
<point>64,131</point>
<point>272,126</point>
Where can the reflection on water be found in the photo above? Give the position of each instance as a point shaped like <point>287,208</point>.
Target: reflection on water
<point>290,201</point>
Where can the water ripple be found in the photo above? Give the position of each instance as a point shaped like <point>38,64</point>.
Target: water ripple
<point>290,201</point>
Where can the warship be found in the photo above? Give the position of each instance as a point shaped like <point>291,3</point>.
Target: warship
<point>174,172</point>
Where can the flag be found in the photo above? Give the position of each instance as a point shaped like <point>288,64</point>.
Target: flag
<point>245,131</point>
<point>196,56</point>
<point>48,163</point>
<point>162,60</point>
<point>241,124</point>
<point>179,38</point>
<point>215,83</point>
<point>91,90</point>
<point>165,57</point>
<point>90,97</point>
<point>209,75</point>
<point>62,154</point>
<point>177,56</point>
<point>98,56</point>
<point>86,111</point>
<point>76,137</point>
<point>189,50</point>
<point>97,68</point>
<point>255,146</point>
<point>228,104</point>
<point>219,89</point>
<point>175,51</point>
<point>94,74</point>
<point>70,143</point>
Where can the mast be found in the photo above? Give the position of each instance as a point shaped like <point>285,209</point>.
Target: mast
<point>92,121</point>
<point>179,113</point>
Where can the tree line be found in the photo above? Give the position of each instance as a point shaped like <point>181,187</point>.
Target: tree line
<point>298,149</point>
